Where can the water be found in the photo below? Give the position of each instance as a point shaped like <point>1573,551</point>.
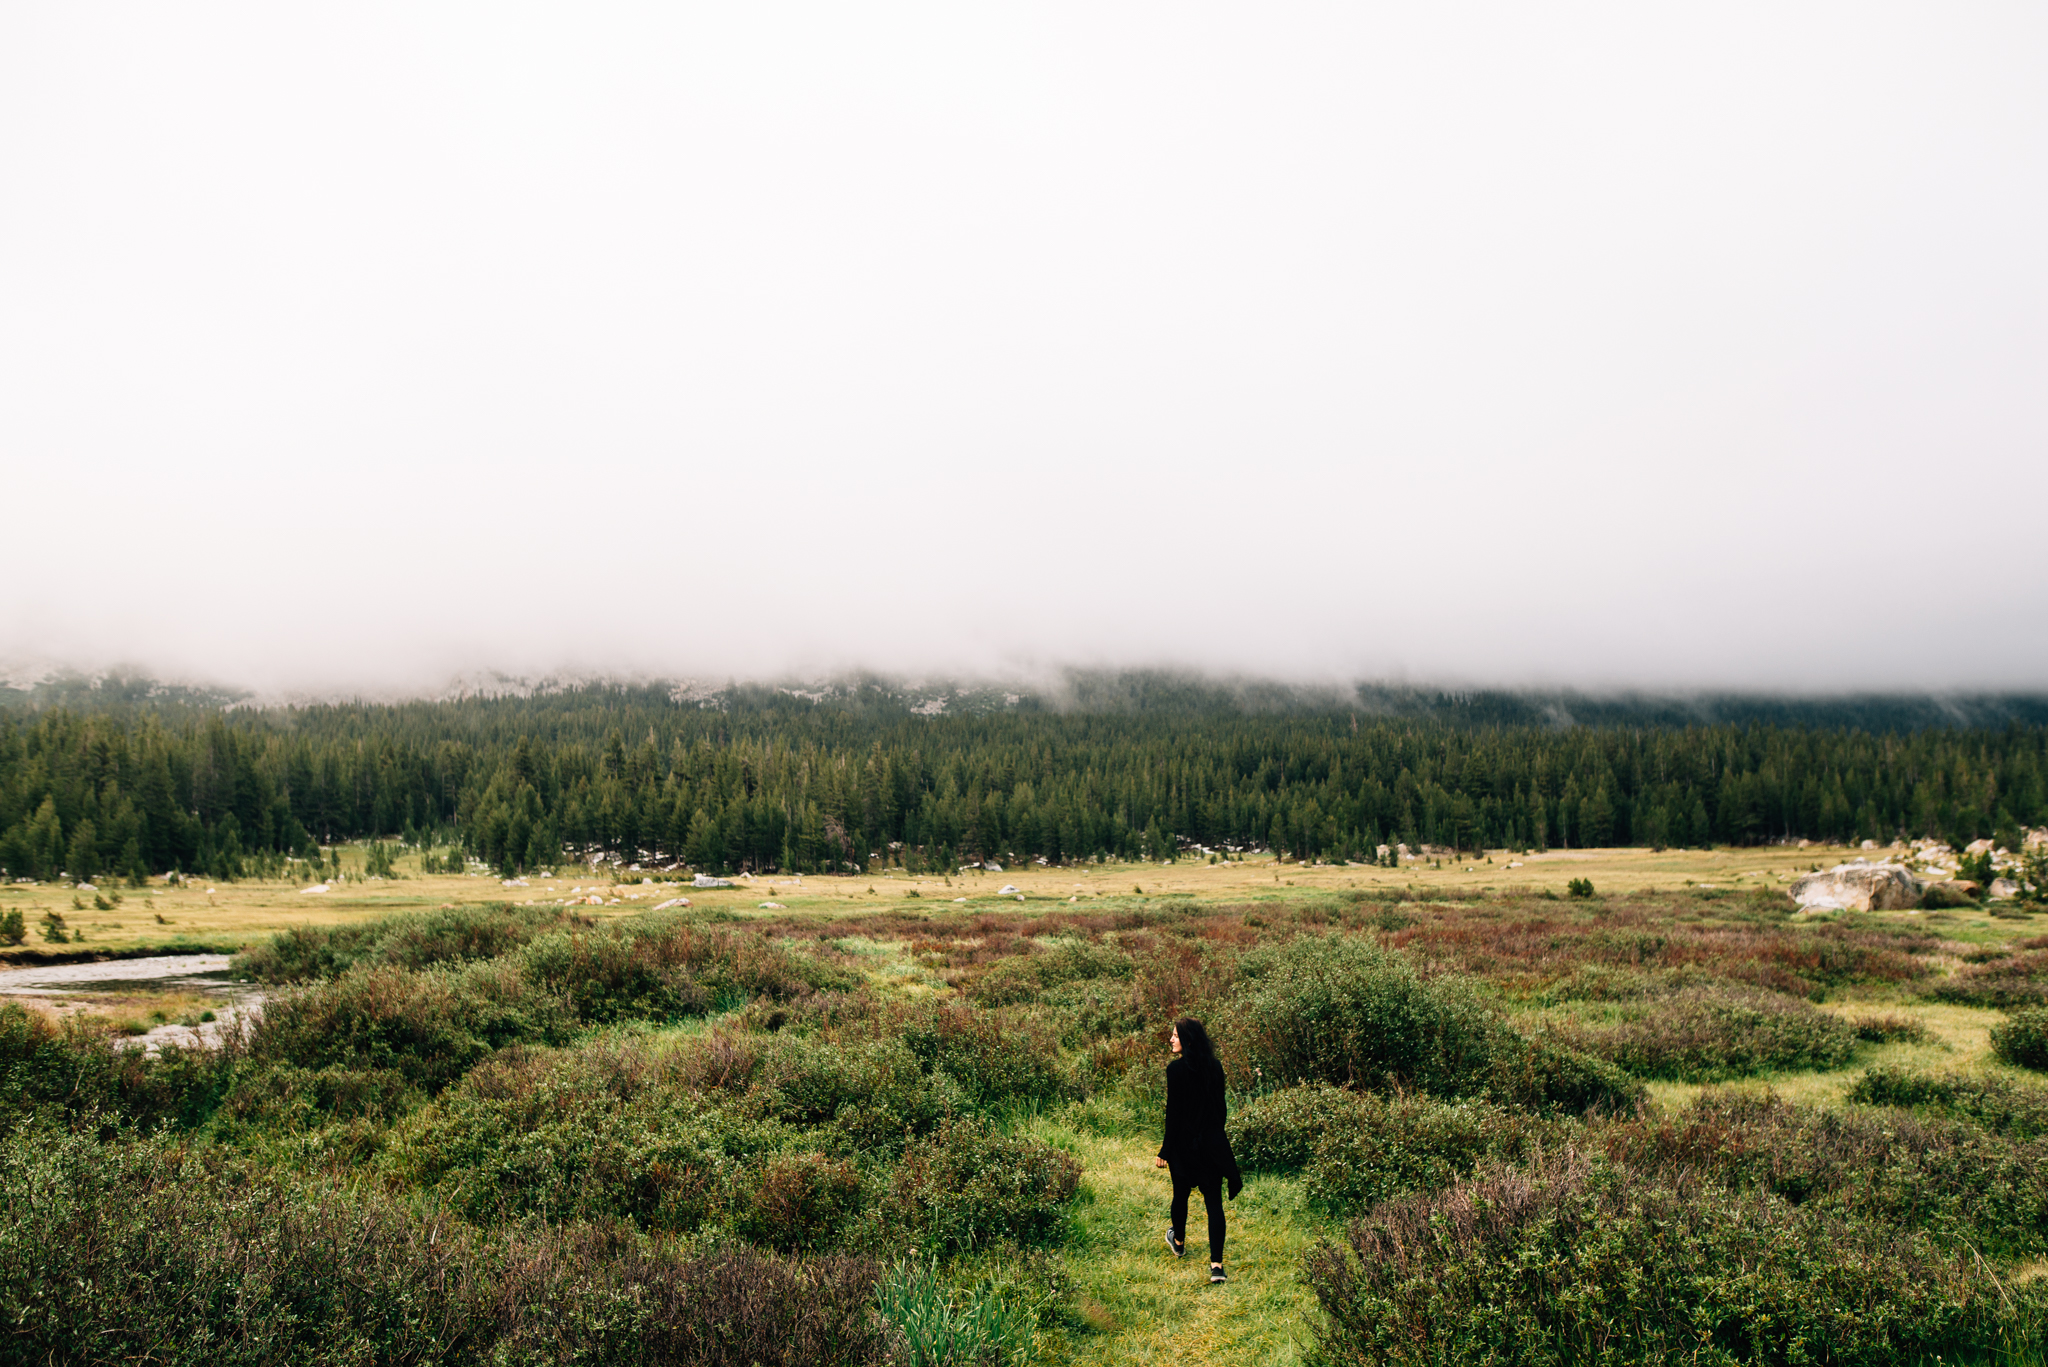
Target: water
<point>204,975</point>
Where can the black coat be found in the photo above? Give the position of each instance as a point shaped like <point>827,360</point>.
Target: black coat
<point>1195,1145</point>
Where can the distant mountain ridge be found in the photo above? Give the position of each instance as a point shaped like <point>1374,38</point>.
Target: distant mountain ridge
<point>1085,691</point>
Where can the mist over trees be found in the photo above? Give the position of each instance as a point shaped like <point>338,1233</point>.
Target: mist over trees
<point>769,780</point>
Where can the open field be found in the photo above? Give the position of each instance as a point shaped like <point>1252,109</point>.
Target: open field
<point>217,912</point>
<point>523,1088</point>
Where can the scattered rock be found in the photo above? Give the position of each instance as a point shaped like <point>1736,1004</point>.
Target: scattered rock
<point>317,887</point>
<point>1860,886</point>
<point>2002,888</point>
<point>773,906</point>
<point>705,880</point>
<point>1977,847</point>
<point>1007,890</point>
<point>992,866</point>
<point>672,902</point>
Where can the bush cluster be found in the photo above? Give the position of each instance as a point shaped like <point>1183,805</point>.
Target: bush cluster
<point>2011,981</point>
<point>1360,1148</point>
<point>1576,1259</point>
<point>118,1253</point>
<point>1951,1180</point>
<point>433,1023</point>
<point>1706,1034</point>
<point>2022,1040</point>
<point>1999,1105</point>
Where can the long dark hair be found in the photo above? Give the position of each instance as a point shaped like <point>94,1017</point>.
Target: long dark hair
<point>1194,1040</point>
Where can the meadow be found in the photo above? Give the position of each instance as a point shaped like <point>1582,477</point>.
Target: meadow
<point>892,1118</point>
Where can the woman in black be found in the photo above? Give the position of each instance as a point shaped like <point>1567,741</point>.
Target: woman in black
<point>1196,1150</point>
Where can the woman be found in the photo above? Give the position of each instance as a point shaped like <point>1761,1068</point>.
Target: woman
<point>1196,1151</point>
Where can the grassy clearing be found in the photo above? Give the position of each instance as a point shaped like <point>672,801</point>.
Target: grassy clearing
<point>1137,1304</point>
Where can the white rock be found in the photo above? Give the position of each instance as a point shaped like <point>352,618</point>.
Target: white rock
<point>773,906</point>
<point>317,887</point>
<point>958,900</point>
<point>1977,847</point>
<point>672,902</point>
<point>2004,887</point>
<point>1007,890</point>
<point>705,880</point>
<point>1860,886</point>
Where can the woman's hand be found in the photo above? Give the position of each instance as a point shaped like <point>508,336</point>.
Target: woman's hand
<point>1159,1162</point>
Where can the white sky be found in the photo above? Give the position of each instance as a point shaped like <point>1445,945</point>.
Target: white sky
<point>1522,343</point>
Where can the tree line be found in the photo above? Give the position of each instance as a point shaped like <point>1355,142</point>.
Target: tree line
<point>763,779</point>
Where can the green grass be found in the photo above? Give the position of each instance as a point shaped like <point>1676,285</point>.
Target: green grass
<point>1139,1305</point>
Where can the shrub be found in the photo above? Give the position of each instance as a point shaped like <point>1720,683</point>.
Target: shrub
<point>1548,1076</point>
<point>1710,1033</point>
<point>1025,977</point>
<point>2023,1039</point>
<point>1890,1029</point>
<point>1577,1260</point>
<point>800,1202</point>
<point>595,1133</point>
<point>430,1026</point>
<point>1998,1104</point>
<point>1344,1011</point>
<point>288,1097</point>
<point>874,1095</point>
<point>120,1253</point>
<point>2017,980</point>
<point>450,935</point>
<point>1410,1143</point>
<point>997,1057</point>
<point>969,1186</point>
<point>1579,887</point>
<point>1952,1180</point>
<point>1279,1132</point>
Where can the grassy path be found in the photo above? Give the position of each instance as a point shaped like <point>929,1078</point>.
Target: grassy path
<point>1143,1306</point>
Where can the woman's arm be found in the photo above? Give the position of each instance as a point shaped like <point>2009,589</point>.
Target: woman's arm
<point>1171,1142</point>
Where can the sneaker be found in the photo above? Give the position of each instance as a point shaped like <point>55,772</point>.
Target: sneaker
<point>1216,1274</point>
<point>1175,1246</point>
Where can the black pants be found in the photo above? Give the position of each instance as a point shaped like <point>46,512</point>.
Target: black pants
<point>1211,1187</point>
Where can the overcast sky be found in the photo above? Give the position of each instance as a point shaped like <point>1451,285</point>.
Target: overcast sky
<point>1629,344</point>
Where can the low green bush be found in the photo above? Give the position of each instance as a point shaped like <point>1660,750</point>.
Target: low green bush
<point>1890,1028</point>
<point>1583,1260</point>
<point>1411,1143</point>
<point>1020,978</point>
<point>1953,1180</point>
<point>425,939</point>
<point>999,1057</point>
<point>117,1253</point>
<point>1344,1011</point>
<point>431,1026</point>
<point>1279,1132</point>
<point>1548,1076</point>
<point>1998,1104</point>
<point>971,1186</point>
<point>874,1095</point>
<point>1706,1034</point>
<point>2017,980</point>
<point>800,1202</point>
<point>2022,1040</point>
